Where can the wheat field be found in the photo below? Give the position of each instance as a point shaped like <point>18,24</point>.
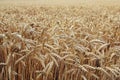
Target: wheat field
<point>45,42</point>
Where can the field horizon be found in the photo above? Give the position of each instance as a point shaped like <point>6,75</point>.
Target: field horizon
<point>61,2</point>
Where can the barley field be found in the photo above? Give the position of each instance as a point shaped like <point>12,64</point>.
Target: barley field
<point>59,41</point>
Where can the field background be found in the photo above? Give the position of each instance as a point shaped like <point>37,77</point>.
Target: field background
<point>59,40</point>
